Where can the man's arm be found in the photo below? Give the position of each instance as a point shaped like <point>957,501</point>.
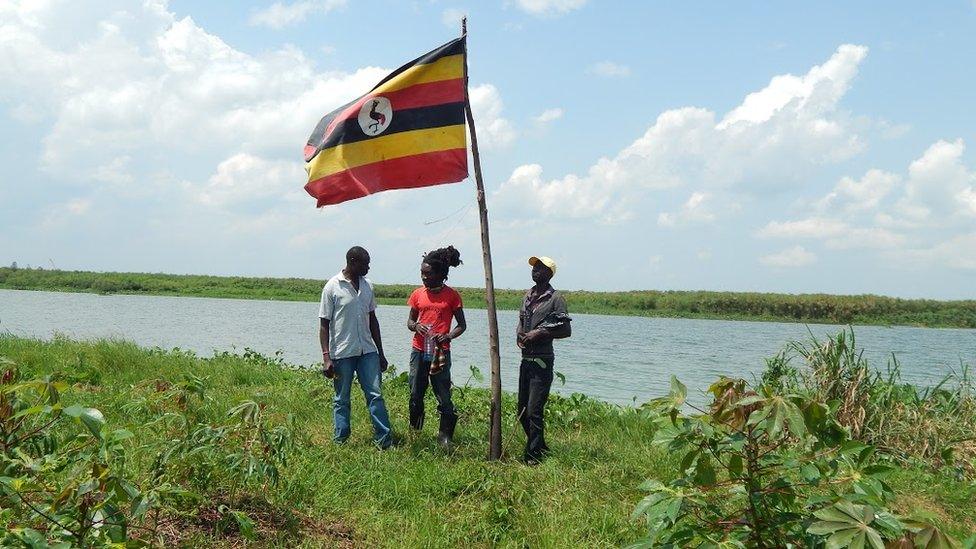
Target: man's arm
<point>327,366</point>
<point>542,335</point>
<point>374,330</point>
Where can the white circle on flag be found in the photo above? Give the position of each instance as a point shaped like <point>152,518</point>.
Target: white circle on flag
<point>375,115</point>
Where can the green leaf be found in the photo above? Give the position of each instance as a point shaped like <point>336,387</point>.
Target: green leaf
<point>810,473</point>
<point>814,415</point>
<point>89,417</point>
<point>932,538</point>
<point>824,528</point>
<point>777,418</point>
<point>646,503</point>
<point>877,470</point>
<point>704,472</point>
<point>651,485</point>
<point>245,524</point>
<point>139,506</point>
<point>795,420</point>
<point>475,373</point>
<point>689,459</point>
<point>874,539</point>
<point>678,391</point>
<point>561,376</point>
<point>843,538</point>
<point>735,465</point>
<point>751,399</point>
<point>834,514</point>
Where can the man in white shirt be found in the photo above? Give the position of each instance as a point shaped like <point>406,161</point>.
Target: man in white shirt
<point>350,337</point>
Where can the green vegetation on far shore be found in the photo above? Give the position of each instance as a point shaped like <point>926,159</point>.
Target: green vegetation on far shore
<point>808,308</point>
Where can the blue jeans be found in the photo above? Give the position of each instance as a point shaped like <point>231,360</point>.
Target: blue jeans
<point>367,369</point>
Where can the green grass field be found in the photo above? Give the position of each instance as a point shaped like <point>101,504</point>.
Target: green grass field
<point>413,495</point>
<point>808,308</point>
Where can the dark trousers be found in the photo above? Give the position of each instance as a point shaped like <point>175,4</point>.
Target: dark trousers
<point>534,384</point>
<point>419,378</point>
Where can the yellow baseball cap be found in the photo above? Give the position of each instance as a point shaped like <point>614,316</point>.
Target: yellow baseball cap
<point>547,261</point>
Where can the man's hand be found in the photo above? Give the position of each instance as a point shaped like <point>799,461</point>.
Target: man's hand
<point>384,364</point>
<point>328,369</point>
<point>442,338</point>
<point>534,336</point>
<point>422,329</point>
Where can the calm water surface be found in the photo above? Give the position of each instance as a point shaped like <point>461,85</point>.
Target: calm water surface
<point>618,359</point>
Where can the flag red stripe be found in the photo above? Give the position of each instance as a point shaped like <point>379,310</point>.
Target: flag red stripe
<point>418,95</point>
<point>408,172</point>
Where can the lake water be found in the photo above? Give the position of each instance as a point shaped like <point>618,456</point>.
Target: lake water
<point>617,359</point>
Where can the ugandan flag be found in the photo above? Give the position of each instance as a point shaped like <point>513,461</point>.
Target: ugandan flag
<point>407,132</point>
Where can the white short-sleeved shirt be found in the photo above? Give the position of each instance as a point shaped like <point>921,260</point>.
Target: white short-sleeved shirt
<point>348,313</point>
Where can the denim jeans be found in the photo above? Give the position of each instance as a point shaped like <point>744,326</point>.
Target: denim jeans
<point>367,370</point>
<point>419,377</point>
<point>534,385</point>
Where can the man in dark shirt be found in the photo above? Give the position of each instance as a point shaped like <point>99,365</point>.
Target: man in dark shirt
<point>542,318</point>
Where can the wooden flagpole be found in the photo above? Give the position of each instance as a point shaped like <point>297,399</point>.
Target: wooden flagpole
<point>495,432</point>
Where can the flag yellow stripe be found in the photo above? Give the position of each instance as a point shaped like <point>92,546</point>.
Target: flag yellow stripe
<point>445,68</point>
<point>385,147</point>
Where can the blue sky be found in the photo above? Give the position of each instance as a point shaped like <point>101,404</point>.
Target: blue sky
<point>817,147</point>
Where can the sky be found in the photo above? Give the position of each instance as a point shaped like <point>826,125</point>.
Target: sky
<point>727,145</point>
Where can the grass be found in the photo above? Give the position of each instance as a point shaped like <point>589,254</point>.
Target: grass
<point>808,308</point>
<point>413,495</point>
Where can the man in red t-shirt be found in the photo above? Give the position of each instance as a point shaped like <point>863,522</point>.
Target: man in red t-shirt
<point>432,306</point>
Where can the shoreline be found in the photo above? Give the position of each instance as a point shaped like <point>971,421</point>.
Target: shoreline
<point>870,310</point>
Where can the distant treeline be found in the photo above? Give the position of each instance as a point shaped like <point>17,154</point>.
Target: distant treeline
<point>813,308</point>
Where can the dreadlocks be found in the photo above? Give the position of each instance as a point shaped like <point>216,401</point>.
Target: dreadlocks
<point>443,259</point>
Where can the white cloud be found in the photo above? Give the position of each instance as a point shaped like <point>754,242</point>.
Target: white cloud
<point>609,69</point>
<point>908,213</point>
<point>549,115</point>
<point>451,17</point>
<point>813,227</point>
<point>851,195</point>
<point>280,15</point>
<point>958,252</point>
<point>567,197</point>
<point>866,238</point>
<point>939,188</point>
<point>776,137</point>
<point>161,83</point>
<point>893,131</point>
<point>797,256</point>
<point>694,210</point>
<point>245,178</point>
<point>549,7</point>
<point>78,206</point>
<point>64,214</point>
<point>816,92</point>
<point>494,131</point>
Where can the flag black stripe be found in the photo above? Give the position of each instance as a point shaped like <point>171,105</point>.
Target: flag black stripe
<point>454,47</point>
<point>446,114</point>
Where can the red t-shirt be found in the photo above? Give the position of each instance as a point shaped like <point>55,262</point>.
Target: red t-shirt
<point>436,309</point>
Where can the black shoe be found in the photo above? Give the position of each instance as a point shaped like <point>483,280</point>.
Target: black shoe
<point>445,435</point>
<point>445,442</point>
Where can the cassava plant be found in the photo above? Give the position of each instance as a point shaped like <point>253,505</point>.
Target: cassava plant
<point>61,471</point>
<point>760,468</point>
